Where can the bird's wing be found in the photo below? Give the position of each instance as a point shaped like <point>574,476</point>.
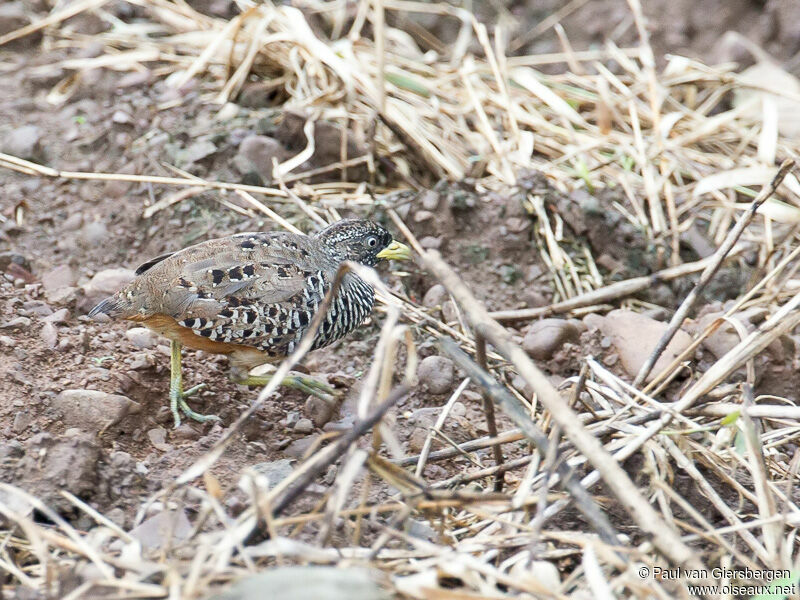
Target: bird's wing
<point>227,290</point>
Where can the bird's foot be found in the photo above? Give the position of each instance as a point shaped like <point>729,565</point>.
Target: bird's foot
<point>309,385</point>
<point>177,404</point>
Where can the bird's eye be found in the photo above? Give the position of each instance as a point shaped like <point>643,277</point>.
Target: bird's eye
<point>372,242</point>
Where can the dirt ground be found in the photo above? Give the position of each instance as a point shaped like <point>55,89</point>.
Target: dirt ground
<point>66,243</point>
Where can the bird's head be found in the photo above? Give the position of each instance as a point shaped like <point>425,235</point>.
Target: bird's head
<point>361,241</point>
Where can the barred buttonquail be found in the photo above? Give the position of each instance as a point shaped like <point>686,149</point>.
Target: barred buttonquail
<point>252,296</point>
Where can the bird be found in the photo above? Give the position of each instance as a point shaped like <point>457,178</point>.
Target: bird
<point>252,296</point>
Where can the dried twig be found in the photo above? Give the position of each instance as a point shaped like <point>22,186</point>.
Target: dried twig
<point>488,409</point>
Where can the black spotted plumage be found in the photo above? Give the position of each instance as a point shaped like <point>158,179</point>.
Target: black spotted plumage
<point>257,290</point>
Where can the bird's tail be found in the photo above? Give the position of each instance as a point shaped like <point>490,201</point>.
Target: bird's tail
<point>113,306</point>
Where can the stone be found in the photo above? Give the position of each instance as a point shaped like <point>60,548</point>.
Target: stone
<point>109,281</point>
<point>61,296</point>
<point>120,117</point>
<point>254,429</point>
<point>421,529</point>
<point>579,325</point>
<point>22,420</point>
<point>435,296</point>
<point>416,440</point>
<point>195,152</point>
<point>300,446</point>
<point>167,525</point>
<point>545,337</point>
<point>11,450</point>
<point>93,410</point>
<point>424,215</point>
<point>93,234</point>
<point>292,417</point>
<point>185,431</point>
<point>725,337</point>
<point>304,426</point>
<point>449,311</point>
<point>319,411</point>
<point>60,277</point>
<point>541,574</point>
<point>517,224</point>
<point>60,317</point>
<point>532,273</point>
<point>8,259</point>
<point>87,23</point>
<point>49,335</point>
<point>593,321</point>
<point>275,471</point>
<point>237,135</point>
<point>429,200</point>
<point>90,572</point>
<point>16,323</point>
<point>436,373</point>
<point>327,142</point>
<point>141,360</point>
<point>257,94</point>
<point>259,150</point>
<point>52,463</point>
<point>158,437</point>
<point>634,336</point>
<point>534,298</point>
<point>424,417</point>
<point>430,242</point>
<point>141,337</point>
<point>23,142</point>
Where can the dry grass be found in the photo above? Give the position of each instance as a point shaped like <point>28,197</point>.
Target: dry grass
<point>490,117</point>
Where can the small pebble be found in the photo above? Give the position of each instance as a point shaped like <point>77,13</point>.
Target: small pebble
<point>22,421</point>
<point>185,432</point>
<point>545,337</point>
<point>429,200</point>
<point>49,335</point>
<point>120,117</point>
<point>60,277</point>
<point>449,312</point>
<point>435,296</point>
<point>141,337</point>
<point>158,437</point>
<point>430,243</point>
<point>60,317</point>
<point>304,426</point>
<point>417,440</point>
<point>16,323</point>
<point>458,410</point>
<point>437,373</point>
<point>318,410</point>
<point>292,417</point>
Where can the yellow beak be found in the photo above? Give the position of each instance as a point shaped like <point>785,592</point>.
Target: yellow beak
<point>395,251</point>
